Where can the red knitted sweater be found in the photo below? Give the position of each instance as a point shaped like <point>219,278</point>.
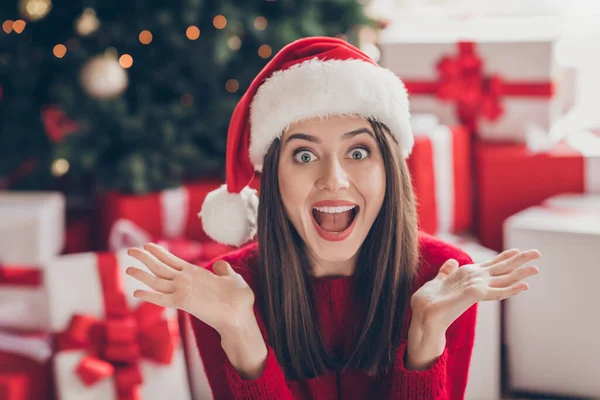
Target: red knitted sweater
<point>445,379</point>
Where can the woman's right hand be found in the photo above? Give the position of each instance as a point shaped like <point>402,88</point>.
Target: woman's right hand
<point>221,299</point>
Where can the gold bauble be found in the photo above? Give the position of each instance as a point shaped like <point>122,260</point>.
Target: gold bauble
<point>34,10</point>
<point>87,23</point>
<point>103,77</point>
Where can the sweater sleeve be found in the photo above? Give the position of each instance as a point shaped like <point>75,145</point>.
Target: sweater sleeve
<point>225,382</point>
<point>446,378</point>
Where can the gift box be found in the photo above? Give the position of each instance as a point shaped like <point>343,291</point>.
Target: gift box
<point>510,178</point>
<point>23,298</point>
<point>109,344</point>
<point>480,72</point>
<point>552,330</point>
<point>484,381</point>
<point>33,226</point>
<point>25,370</point>
<point>169,214</point>
<point>201,389</point>
<point>440,166</point>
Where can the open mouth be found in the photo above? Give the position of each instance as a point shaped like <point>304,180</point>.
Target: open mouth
<point>335,219</point>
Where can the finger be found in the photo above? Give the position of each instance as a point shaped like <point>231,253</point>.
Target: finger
<point>505,293</point>
<point>509,265</point>
<point>447,268</point>
<point>166,257</point>
<point>506,254</point>
<point>222,268</point>
<point>514,277</point>
<point>153,282</point>
<point>160,299</point>
<point>158,268</point>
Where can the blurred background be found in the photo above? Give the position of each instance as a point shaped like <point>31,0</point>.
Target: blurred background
<point>113,124</point>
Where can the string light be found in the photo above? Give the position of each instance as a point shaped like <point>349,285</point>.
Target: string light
<point>59,50</point>
<point>60,167</point>
<point>19,26</point>
<point>192,32</point>
<point>265,51</point>
<point>234,42</point>
<point>145,37</point>
<point>7,26</point>
<point>260,23</point>
<point>220,22</point>
<point>126,61</point>
<point>232,85</point>
<point>187,100</point>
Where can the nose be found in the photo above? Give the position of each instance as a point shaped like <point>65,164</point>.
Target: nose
<point>333,176</point>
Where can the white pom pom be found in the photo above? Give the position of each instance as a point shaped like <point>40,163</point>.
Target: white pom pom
<point>230,218</point>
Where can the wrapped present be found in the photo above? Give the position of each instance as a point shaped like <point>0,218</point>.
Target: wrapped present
<point>33,226</point>
<point>510,178</point>
<point>480,72</point>
<point>201,389</point>
<point>550,330</point>
<point>23,298</point>
<point>111,345</point>
<point>440,165</point>
<point>484,381</point>
<point>25,372</point>
<point>169,214</point>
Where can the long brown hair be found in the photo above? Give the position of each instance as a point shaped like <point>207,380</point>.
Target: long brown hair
<point>386,268</point>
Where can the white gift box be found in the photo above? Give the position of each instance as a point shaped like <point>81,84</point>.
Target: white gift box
<point>23,299</point>
<point>74,288</point>
<point>484,371</point>
<point>552,331</point>
<point>32,226</point>
<point>199,381</point>
<point>518,52</point>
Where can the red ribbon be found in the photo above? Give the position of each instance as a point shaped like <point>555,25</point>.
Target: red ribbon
<point>115,346</point>
<point>461,80</point>
<point>20,275</point>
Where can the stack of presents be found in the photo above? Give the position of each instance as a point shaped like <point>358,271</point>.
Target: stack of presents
<point>71,329</point>
<point>490,174</point>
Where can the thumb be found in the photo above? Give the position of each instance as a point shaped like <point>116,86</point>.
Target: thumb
<point>222,268</point>
<point>449,266</point>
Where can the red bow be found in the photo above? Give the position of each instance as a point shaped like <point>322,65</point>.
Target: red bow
<point>461,79</point>
<point>116,345</point>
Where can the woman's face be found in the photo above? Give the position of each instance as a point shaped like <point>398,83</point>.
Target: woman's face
<point>332,183</point>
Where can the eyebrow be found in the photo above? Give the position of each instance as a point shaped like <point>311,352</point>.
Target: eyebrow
<point>314,139</point>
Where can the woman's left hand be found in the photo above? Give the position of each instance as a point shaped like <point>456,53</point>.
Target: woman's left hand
<point>454,290</point>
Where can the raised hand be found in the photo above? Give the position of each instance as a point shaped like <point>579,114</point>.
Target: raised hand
<point>218,299</point>
<point>454,290</point>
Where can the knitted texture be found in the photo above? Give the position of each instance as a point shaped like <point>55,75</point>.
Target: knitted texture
<point>446,378</point>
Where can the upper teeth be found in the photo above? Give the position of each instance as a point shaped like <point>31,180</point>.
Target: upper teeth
<point>332,210</point>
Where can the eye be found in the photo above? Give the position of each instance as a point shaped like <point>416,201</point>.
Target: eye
<point>304,156</point>
<point>358,153</point>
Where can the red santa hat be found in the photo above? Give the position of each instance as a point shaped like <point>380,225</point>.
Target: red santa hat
<point>311,77</point>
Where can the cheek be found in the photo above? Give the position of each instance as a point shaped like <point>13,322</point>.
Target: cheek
<point>370,182</point>
<point>294,187</point>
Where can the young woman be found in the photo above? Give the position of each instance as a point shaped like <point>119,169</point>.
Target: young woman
<point>340,296</point>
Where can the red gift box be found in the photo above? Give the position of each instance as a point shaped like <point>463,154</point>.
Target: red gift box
<point>440,165</point>
<point>510,178</point>
<point>168,214</point>
<point>27,374</point>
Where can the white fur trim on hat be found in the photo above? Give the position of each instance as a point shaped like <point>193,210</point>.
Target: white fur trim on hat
<point>230,218</point>
<point>317,88</point>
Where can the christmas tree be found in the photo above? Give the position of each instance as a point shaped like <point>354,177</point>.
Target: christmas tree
<point>138,94</point>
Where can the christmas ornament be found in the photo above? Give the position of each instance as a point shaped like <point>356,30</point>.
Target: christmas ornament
<point>87,23</point>
<point>103,77</point>
<point>34,10</point>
